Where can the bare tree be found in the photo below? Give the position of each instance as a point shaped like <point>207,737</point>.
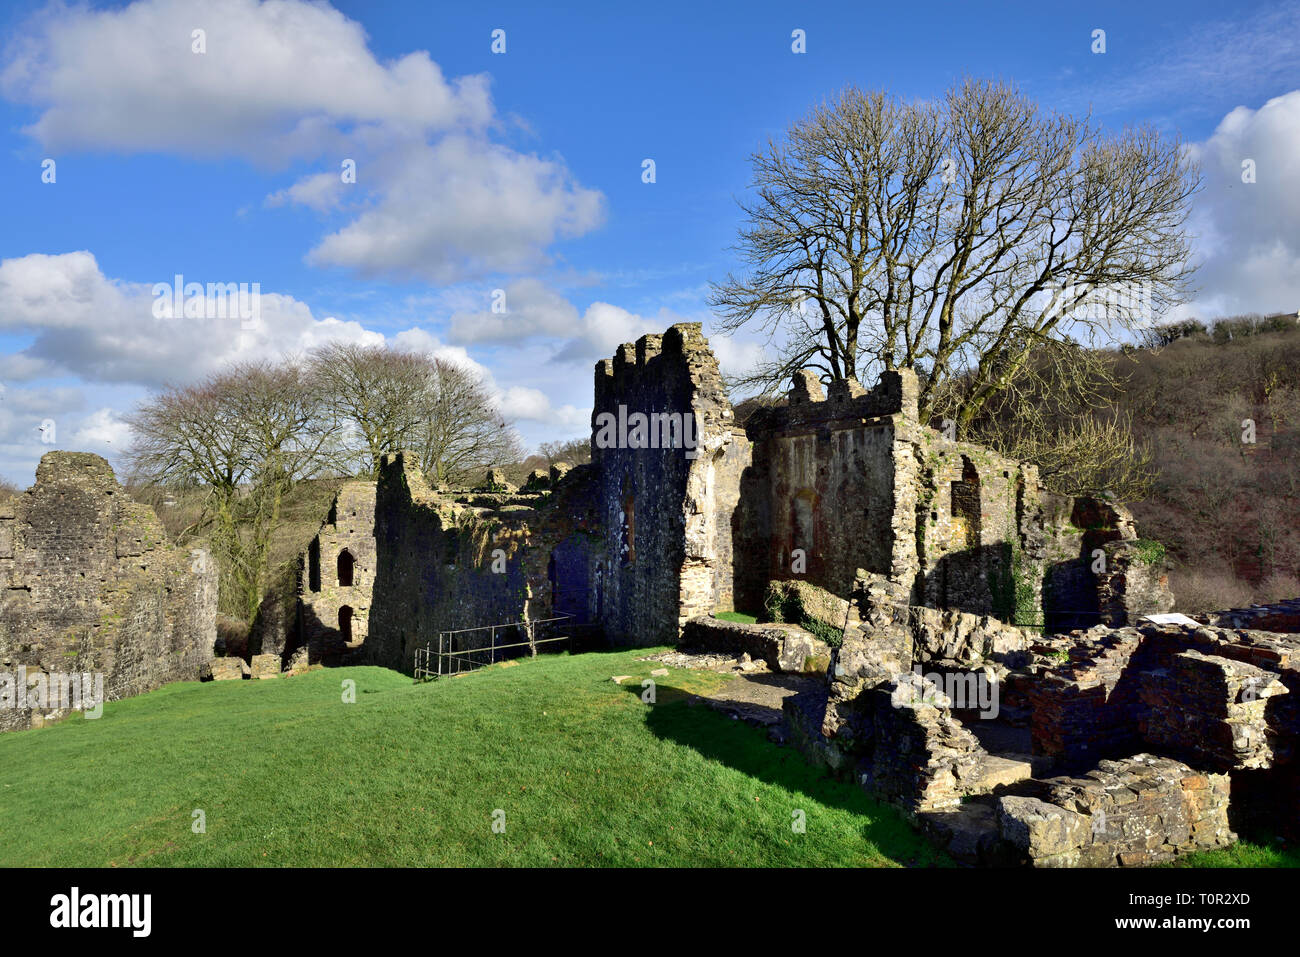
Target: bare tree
<point>374,395</point>
<point>460,432</point>
<point>245,436</point>
<point>955,237</point>
<point>383,400</point>
<point>574,451</point>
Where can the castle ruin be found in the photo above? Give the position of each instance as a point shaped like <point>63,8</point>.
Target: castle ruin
<point>992,659</point>
<point>879,557</point>
<point>92,587</point>
<point>652,534</point>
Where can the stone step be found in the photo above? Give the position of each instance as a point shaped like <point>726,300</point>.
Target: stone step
<point>1005,770</point>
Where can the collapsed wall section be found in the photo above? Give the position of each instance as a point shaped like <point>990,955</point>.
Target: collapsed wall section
<point>450,561</point>
<point>90,584</point>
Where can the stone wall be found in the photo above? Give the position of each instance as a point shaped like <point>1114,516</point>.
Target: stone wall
<point>784,647</point>
<point>1221,699</point>
<point>336,577</point>
<point>820,498</point>
<point>429,561</point>
<point>666,510</point>
<point>852,481</point>
<point>1141,810</point>
<point>969,531</point>
<point>90,584</point>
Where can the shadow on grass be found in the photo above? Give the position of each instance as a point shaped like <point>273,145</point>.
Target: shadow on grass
<point>688,721</point>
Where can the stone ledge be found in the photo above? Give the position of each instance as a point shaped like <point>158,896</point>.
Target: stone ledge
<point>784,647</point>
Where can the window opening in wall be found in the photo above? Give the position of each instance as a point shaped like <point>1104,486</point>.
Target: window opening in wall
<point>345,568</point>
<point>313,565</point>
<point>966,507</point>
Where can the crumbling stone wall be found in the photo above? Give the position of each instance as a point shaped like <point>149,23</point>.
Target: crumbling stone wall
<point>1222,699</point>
<point>454,560</point>
<point>825,480</point>
<point>784,647</point>
<point>336,577</point>
<point>1142,810</point>
<point>854,481</point>
<point>666,511</point>
<point>91,584</point>
<point>969,536</point>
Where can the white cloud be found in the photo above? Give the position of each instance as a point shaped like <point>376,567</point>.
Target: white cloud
<point>434,198</point>
<point>104,330</point>
<point>533,405</point>
<point>532,309</point>
<point>320,191</point>
<point>35,420</point>
<point>277,79</point>
<point>1248,234</point>
<point>102,431</point>
<point>735,355</point>
<point>462,208</point>
<point>535,311</point>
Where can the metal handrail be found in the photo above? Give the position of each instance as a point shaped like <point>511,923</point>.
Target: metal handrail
<point>447,654</point>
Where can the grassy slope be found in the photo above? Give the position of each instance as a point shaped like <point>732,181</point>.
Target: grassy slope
<point>410,775</point>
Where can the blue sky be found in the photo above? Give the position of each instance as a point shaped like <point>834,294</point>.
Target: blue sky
<point>519,171</point>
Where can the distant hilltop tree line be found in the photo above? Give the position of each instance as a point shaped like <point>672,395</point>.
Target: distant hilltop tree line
<point>244,437</point>
<point>1219,330</point>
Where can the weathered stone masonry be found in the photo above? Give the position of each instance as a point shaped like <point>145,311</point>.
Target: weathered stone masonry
<point>90,584</point>
<point>1118,742</point>
<point>636,543</point>
<point>337,576</point>
<point>667,512</point>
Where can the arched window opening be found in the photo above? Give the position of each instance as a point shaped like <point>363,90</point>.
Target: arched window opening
<point>345,568</point>
<point>966,507</point>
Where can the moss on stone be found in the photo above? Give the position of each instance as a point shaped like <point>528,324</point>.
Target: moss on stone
<point>1149,552</point>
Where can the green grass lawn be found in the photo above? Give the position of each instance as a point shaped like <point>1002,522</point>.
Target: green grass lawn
<point>1245,854</point>
<point>410,774</point>
<point>736,616</point>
